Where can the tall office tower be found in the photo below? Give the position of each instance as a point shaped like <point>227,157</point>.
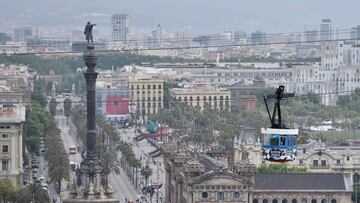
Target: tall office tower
<point>158,34</point>
<point>355,33</point>
<point>120,27</point>
<point>22,34</point>
<point>258,37</point>
<point>325,29</point>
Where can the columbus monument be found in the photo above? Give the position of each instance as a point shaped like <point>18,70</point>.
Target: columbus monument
<point>88,186</point>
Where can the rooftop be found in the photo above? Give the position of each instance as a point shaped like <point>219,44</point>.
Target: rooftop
<point>299,181</point>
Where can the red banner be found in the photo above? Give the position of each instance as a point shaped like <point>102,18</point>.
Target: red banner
<point>117,105</point>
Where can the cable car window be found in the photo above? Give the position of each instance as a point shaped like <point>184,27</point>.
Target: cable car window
<point>274,140</point>
<point>283,140</point>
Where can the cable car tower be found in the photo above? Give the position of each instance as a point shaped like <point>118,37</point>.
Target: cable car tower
<point>279,144</point>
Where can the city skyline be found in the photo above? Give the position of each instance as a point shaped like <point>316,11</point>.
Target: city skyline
<point>191,16</point>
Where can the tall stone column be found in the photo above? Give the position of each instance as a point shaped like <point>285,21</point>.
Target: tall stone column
<point>90,77</point>
<point>90,190</point>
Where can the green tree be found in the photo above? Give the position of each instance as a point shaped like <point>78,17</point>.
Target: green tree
<point>146,172</point>
<point>52,107</point>
<point>7,191</point>
<point>33,193</point>
<point>67,107</point>
<point>280,168</point>
<point>39,97</point>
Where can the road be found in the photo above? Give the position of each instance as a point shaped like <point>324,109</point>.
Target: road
<point>141,150</point>
<point>120,183</point>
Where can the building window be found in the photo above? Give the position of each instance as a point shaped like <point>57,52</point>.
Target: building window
<point>333,201</point>
<point>236,195</point>
<point>204,195</point>
<point>204,98</point>
<point>220,196</point>
<point>265,201</point>
<point>338,161</point>
<point>137,87</point>
<point>143,86</point>
<point>5,148</point>
<point>197,98</point>
<point>301,161</point>
<point>159,92</point>
<point>303,201</point>
<point>159,86</point>
<point>149,87</point>
<point>356,178</point>
<point>179,98</point>
<point>313,201</point>
<point>324,201</point>
<point>5,136</point>
<point>323,162</point>
<point>284,201</point>
<point>315,163</point>
<point>132,87</point>
<point>154,87</point>
<point>5,165</point>
<point>294,201</point>
<point>347,158</point>
<point>255,201</point>
<point>274,201</point>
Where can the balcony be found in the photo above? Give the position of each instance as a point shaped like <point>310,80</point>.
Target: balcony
<point>319,167</point>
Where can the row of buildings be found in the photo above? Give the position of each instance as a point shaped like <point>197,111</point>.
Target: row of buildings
<point>194,177</point>
<point>15,84</point>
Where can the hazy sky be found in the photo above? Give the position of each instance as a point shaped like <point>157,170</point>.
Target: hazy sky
<point>200,16</point>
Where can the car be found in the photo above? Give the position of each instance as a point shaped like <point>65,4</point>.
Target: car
<point>72,150</point>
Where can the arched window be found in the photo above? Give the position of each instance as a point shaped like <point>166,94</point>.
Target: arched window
<point>274,201</point>
<point>333,201</point>
<point>255,201</point>
<point>294,201</point>
<point>313,201</point>
<point>324,201</point>
<point>265,201</point>
<point>303,201</point>
<point>284,201</point>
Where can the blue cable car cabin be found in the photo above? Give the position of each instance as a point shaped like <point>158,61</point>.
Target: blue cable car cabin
<point>279,145</point>
<point>151,127</point>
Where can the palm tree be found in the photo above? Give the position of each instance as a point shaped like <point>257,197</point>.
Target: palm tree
<point>33,193</point>
<point>52,107</point>
<point>146,172</point>
<point>67,107</point>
